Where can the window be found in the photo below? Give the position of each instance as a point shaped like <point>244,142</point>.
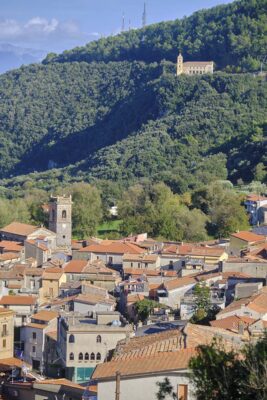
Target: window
<point>4,330</point>
<point>139,265</point>
<point>64,236</point>
<point>34,335</point>
<point>4,343</point>
<point>64,214</point>
<point>131,265</point>
<point>71,339</point>
<point>171,264</point>
<point>86,356</point>
<point>53,215</point>
<point>71,356</point>
<point>110,260</point>
<point>98,356</point>
<point>33,349</point>
<point>98,339</point>
<point>146,265</point>
<point>80,356</point>
<point>92,356</point>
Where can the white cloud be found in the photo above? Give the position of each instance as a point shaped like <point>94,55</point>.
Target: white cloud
<point>38,28</point>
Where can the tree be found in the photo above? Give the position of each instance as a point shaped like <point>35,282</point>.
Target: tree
<point>87,209</point>
<point>165,390</point>
<point>144,308</point>
<point>204,311</point>
<point>224,208</point>
<point>224,375</point>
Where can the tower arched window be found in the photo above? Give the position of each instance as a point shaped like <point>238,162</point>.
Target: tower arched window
<point>53,215</point>
<point>71,356</point>
<point>86,356</point>
<point>92,357</point>
<point>80,356</point>
<point>98,357</point>
<point>71,339</point>
<point>98,339</point>
<point>64,214</point>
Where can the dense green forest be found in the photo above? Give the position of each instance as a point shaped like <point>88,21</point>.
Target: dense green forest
<point>114,109</point>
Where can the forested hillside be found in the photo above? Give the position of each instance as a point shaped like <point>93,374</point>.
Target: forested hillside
<point>115,109</point>
<point>232,35</point>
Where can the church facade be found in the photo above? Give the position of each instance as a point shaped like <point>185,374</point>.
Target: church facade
<point>193,67</point>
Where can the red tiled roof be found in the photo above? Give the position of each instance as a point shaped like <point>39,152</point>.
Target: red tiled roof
<point>193,250</point>
<point>255,197</point>
<point>9,256</point>
<point>162,362</point>
<point>10,246</point>
<point>75,266</point>
<point>45,315</point>
<point>231,323</point>
<point>18,228</point>
<point>113,248</point>
<point>61,382</point>
<point>18,300</point>
<point>249,237</point>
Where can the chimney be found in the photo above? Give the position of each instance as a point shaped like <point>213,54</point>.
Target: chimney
<point>241,328</point>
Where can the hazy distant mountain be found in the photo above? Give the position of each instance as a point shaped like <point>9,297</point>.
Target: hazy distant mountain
<point>13,56</point>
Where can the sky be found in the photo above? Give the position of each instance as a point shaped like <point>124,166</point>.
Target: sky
<point>56,25</point>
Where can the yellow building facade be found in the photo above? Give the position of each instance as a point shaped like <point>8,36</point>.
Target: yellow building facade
<point>193,67</point>
<point>6,333</point>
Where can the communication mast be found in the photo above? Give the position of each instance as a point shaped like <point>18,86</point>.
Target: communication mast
<point>144,17</point>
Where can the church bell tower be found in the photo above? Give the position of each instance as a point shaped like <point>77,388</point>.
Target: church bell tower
<point>180,62</point>
<point>60,219</point>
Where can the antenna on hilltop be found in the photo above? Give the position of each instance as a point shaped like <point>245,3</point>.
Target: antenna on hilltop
<point>144,17</point>
<point>129,24</point>
<point>123,23</point>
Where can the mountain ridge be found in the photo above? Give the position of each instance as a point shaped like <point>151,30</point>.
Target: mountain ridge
<point>128,120</point>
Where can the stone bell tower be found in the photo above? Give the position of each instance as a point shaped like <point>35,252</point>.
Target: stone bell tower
<point>180,62</point>
<point>60,219</point>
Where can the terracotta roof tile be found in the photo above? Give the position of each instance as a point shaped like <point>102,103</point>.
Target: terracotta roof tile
<point>249,237</point>
<point>18,300</point>
<point>193,250</point>
<point>45,315</point>
<point>10,246</point>
<point>146,365</point>
<point>231,323</point>
<point>75,266</point>
<point>19,229</point>
<point>113,248</point>
<point>61,382</point>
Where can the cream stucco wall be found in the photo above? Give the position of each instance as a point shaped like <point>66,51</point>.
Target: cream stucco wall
<point>142,388</point>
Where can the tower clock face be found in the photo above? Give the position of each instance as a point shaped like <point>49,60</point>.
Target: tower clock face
<point>64,226</point>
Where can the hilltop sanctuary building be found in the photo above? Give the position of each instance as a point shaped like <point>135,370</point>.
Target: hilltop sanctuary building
<point>193,67</point>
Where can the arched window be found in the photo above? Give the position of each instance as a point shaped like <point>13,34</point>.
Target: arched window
<point>92,356</point>
<point>80,356</point>
<point>98,356</point>
<point>53,215</point>
<point>64,214</point>
<point>71,356</point>
<point>98,339</point>
<point>71,339</point>
<point>86,356</point>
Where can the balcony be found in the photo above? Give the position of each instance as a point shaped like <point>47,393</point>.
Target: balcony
<point>33,354</point>
<point>33,341</point>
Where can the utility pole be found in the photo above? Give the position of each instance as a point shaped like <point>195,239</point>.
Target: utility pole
<point>144,17</point>
<point>118,383</point>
